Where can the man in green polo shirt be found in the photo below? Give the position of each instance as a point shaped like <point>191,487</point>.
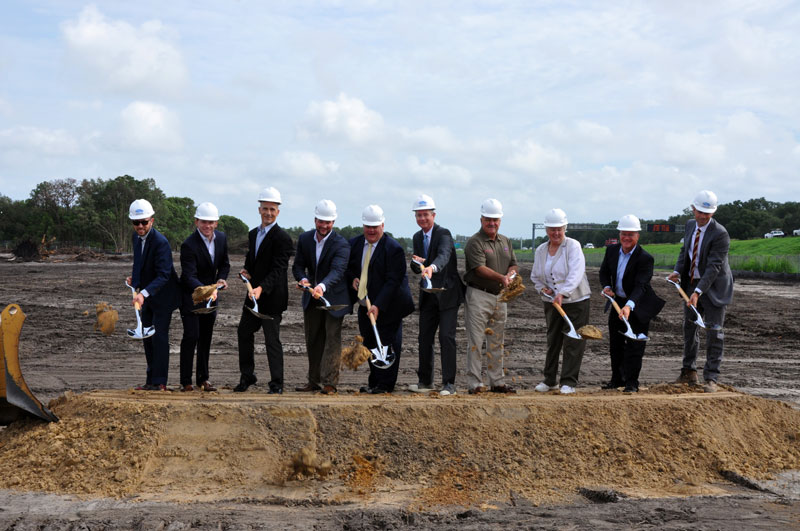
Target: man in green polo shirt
<point>490,261</point>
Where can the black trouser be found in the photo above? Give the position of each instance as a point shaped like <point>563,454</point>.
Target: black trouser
<point>156,347</point>
<point>431,317</point>
<point>248,326</point>
<point>323,334</point>
<point>391,336</point>
<point>626,354</point>
<point>197,332</point>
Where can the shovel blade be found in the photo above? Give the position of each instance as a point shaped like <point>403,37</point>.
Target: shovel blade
<point>573,334</point>
<point>259,315</point>
<point>634,337</point>
<point>382,358</point>
<point>332,307</point>
<point>204,310</point>
<point>433,290</point>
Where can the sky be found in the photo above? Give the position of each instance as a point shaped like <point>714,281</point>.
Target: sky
<point>598,108</point>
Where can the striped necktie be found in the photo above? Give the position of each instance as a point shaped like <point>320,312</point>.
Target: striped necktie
<point>694,255</point>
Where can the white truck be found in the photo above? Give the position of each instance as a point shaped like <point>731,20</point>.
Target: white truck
<point>774,234</point>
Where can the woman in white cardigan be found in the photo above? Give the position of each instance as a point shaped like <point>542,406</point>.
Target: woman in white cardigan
<point>559,272</point>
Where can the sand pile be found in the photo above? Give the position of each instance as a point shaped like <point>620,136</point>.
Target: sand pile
<point>417,450</point>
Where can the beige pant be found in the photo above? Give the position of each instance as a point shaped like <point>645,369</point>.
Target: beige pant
<point>482,312</point>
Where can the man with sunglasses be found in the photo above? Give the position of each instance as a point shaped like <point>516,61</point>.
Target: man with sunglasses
<point>158,294</point>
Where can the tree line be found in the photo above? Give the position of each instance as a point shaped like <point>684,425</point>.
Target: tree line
<point>94,213</point>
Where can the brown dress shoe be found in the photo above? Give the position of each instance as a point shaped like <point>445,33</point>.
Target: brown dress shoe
<point>505,389</point>
<point>477,390</point>
<point>207,387</point>
<point>308,388</point>
<point>328,390</point>
<point>688,376</point>
<point>186,388</point>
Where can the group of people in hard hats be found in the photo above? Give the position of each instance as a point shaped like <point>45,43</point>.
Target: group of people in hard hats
<point>370,271</point>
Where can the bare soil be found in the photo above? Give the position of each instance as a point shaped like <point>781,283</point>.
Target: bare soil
<point>669,457</point>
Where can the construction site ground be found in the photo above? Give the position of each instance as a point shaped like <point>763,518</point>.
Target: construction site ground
<point>669,457</point>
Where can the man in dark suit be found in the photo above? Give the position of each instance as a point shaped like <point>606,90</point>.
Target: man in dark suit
<point>704,272</point>
<point>433,246</point>
<point>377,270</point>
<point>265,266</point>
<point>625,275</point>
<point>154,276</point>
<point>319,264</point>
<point>204,261</point>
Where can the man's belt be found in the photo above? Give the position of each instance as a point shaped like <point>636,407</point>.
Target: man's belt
<point>487,290</point>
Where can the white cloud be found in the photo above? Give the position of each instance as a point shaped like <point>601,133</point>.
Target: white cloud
<point>151,127</point>
<point>531,157</point>
<point>124,57</point>
<point>307,164</point>
<point>346,118</point>
<point>745,124</point>
<point>5,107</point>
<point>39,141</point>
<point>434,173</point>
<point>432,137</point>
<point>693,148</point>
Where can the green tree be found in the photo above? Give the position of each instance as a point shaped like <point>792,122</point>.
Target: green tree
<point>175,219</point>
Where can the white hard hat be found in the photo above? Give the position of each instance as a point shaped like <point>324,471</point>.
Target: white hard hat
<point>555,218</point>
<point>325,210</point>
<point>705,201</point>
<point>629,222</point>
<point>140,209</point>
<point>491,208</point>
<point>207,212</point>
<point>372,216</point>
<point>424,202</point>
<point>270,194</point>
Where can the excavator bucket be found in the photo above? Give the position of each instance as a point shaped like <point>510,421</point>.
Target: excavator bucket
<point>16,399</point>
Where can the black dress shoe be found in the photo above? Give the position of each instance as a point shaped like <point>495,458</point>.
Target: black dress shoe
<point>612,385</point>
<point>241,388</point>
<point>630,389</point>
<point>364,389</point>
<point>275,391</point>
<point>378,391</point>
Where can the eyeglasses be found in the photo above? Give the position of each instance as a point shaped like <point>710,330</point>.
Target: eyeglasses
<point>140,221</point>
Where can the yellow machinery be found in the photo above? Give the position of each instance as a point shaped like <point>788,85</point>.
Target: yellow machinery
<point>16,399</point>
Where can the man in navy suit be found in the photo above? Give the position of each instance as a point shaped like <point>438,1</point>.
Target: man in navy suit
<point>265,266</point>
<point>704,273</point>
<point>320,263</point>
<point>204,261</point>
<point>384,281</point>
<point>158,294</point>
<point>433,246</point>
<point>625,275</point>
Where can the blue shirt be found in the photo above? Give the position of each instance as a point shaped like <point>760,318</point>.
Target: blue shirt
<point>621,265</point>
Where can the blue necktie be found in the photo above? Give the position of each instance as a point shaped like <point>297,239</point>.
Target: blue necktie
<point>425,244</point>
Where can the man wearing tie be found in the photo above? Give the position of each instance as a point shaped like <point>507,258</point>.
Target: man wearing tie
<point>377,270</point>
<point>265,266</point>
<point>704,272</point>
<point>434,248</point>
<point>204,261</point>
<point>625,276</point>
<point>319,264</point>
<point>158,294</point>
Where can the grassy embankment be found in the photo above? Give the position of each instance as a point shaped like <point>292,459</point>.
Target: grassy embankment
<point>776,255</point>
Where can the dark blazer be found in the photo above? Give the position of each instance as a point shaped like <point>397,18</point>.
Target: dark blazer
<point>716,279</point>
<point>197,268</point>
<point>442,254</point>
<point>329,270</point>
<point>635,281</point>
<point>268,269</point>
<point>387,281</point>
<point>153,271</point>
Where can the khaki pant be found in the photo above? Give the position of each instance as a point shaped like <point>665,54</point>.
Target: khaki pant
<point>482,311</point>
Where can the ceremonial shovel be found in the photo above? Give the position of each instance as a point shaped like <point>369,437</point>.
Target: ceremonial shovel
<point>328,306</point>
<point>208,308</point>
<point>382,357</point>
<point>254,309</point>
<point>139,332</point>
<point>428,287</point>
<point>699,321</point>
<point>572,333</point>
<point>629,334</point>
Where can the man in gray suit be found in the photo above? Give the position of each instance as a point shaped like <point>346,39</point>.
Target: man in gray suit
<point>434,248</point>
<point>704,272</point>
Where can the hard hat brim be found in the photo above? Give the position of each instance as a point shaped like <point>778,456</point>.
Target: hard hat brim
<point>704,209</point>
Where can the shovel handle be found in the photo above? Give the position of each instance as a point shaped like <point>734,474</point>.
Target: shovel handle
<point>615,305</point>
<point>137,306</point>
<point>247,283</point>
<point>369,314</point>
<point>559,309</point>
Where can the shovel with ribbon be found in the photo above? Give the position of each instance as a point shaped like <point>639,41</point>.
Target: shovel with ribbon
<point>427,286</point>
<point>327,306</point>
<point>699,320</point>
<point>382,357</point>
<point>140,332</point>
<point>629,331</point>
<point>254,309</point>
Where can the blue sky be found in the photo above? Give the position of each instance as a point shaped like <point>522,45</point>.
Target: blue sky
<point>598,108</point>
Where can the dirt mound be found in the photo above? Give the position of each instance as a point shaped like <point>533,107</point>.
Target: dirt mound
<point>417,451</point>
